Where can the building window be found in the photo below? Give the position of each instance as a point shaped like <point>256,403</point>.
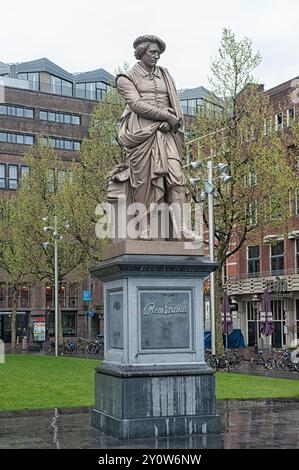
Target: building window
<point>297,254</point>
<point>55,85</point>
<point>12,138</point>
<point>32,77</point>
<point>43,115</point>
<point>49,297</point>
<point>66,88</point>
<point>24,170</point>
<point>253,330</point>
<point>2,175</point>
<point>24,295</point>
<point>290,116</point>
<point>268,126</point>
<point>60,117</point>
<point>62,296</point>
<point>17,111</point>
<point>278,121</point>
<point>80,90</point>
<point>69,324</point>
<point>277,258</point>
<point>76,119</point>
<point>91,90</point>
<point>62,144</point>
<point>73,295</point>
<point>60,86</point>
<point>68,321</point>
<point>76,145</point>
<point>15,172</point>
<point>13,176</point>
<point>254,260</point>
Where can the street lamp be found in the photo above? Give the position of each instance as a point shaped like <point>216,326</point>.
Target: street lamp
<point>208,191</point>
<point>255,301</point>
<point>56,237</point>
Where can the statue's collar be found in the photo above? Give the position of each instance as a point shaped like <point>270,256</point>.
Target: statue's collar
<point>145,73</point>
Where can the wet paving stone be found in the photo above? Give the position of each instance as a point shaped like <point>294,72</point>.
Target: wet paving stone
<point>256,424</point>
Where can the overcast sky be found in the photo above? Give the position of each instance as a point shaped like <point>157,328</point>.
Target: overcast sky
<point>85,35</point>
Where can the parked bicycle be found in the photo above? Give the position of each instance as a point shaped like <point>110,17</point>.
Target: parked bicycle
<point>285,362</point>
<point>218,363</point>
<point>235,361</point>
<point>258,362</point>
<point>69,347</point>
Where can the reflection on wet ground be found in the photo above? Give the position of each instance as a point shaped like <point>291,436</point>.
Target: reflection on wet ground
<point>256,424</point>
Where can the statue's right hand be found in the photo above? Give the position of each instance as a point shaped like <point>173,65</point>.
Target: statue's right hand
<point>173,121</point>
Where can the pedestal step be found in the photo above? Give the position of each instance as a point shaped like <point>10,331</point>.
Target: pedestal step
<point>145,404</point>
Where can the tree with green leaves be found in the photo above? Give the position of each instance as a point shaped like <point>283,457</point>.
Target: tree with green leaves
<point>51,196</point>
<point>14,254</point>
<point>233,130</point>
<point>70,195</point>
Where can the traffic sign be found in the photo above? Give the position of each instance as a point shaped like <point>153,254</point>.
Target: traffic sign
<point>86,294</point>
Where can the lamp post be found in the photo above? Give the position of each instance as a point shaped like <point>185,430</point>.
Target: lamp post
<point>208,190</point>
<point>255,301</point>
<point>56,237</point>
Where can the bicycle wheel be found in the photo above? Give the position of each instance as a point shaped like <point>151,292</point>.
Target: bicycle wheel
<point>237,362</point>
<point>223,364</point>
<point>257,363</point>
<point>212,362</point>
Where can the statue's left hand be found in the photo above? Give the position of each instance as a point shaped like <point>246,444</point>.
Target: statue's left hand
<point>164,127</point>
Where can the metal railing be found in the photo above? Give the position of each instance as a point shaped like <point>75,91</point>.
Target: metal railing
<point>263,274</point>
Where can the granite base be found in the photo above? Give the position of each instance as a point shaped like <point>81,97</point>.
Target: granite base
<point>133,403</point>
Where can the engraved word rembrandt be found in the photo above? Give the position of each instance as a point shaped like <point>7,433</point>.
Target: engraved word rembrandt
<point>167,309</point>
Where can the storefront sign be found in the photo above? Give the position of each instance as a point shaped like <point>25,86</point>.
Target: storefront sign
<point>278,288</point>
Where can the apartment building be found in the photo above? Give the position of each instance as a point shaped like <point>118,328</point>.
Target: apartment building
<point>271,259</point>
<point>39,99</point>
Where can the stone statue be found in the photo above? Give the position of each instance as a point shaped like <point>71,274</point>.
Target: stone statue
<point>152,134</point>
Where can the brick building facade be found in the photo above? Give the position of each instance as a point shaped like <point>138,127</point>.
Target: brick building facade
<point>271,259</point>
<point>41,100</point>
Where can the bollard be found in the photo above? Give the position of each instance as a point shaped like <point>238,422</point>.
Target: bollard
<point>24,343</point>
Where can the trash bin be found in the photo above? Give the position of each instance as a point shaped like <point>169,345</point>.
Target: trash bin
<point>24,343</point>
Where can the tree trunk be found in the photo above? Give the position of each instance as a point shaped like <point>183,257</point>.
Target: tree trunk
<point>14,319</point>
<point>218,295</point>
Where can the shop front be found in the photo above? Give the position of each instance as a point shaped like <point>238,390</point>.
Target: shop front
<point>284,300</point>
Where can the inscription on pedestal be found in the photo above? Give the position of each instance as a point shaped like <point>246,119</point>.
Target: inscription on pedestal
<point>165,319</point>
<point>115,315</point>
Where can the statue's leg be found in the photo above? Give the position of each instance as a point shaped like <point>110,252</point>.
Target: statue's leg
<point>175,181</point>
<point>180,215</point>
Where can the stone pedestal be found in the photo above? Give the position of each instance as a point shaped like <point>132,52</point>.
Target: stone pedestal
<point>154,381</point>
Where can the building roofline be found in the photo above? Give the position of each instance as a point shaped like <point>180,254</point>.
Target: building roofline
<point>281,86</point>
<point>46,65</point>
